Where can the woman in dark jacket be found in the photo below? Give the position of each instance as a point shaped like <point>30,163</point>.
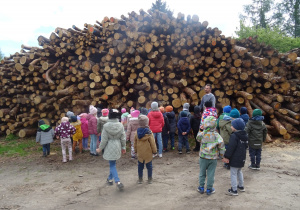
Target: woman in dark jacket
<point>172,122</point>
<point>195,124</point>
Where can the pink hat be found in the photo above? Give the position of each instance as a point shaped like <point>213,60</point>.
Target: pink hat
<point>135,113</point>
<point>105,112</point>
<point>123,110</point>
<point>93,110</point>
<point>83,115</point>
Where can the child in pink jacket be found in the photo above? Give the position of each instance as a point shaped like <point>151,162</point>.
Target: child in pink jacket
<point>132,126</point>
<point>85,130</point>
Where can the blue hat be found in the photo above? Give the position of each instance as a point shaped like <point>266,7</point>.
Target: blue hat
<point>238,124</point>
<point>183,114</point>
<point>243,110</point>
<point>227,109</point>
<point>234,113</point>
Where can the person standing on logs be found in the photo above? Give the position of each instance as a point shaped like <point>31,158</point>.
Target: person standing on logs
<point>207,97</point>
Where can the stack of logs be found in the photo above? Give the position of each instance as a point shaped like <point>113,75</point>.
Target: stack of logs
<point>141,58</point>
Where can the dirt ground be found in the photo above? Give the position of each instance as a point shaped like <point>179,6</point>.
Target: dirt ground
<point>46,183</point>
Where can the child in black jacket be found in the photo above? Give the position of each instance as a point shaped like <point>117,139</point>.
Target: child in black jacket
<point>235,155</point>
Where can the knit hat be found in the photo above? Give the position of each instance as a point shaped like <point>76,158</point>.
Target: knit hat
<point>113,114</point>
<point>183,114</point>
<point>234,113</point>
<point>154,106</point>
<point>73,118</point>
<point>123,110</point>
<point>69,114</point>
<point>161,109</point>
<point>208,104</point>
<point>135,113</point>
<point>105,112</point>
<point>83,115</point>
<point>131,110</point>
<point>197,110</point>
<point>64,119</point>
<point>186,106</point>
<point>41,122</point>
<point>92,110</point>
<point>143,121</point>
<point>243,110</point>
<point>169,109</point>
<point>99,112</point>
<point>256,112</point>
<point>238,124</point>
<point>227,109</point>
<point>144,111</point>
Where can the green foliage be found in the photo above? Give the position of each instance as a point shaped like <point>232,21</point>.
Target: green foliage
<point>161,6</point>
<point>270,36</point>
<point>11,137</point>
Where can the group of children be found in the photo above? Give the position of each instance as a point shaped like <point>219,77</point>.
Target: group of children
<point>149,131</point>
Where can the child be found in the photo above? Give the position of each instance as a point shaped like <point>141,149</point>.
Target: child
<point>113,142</point>
<point>226,111</point>
<point>124,118</point>
<point>132,126</point>
<point>244,114</point>
<point>211,148</point>
<point>186,108</point>
<point>145,147</point>
<point>144,111</point>
<point>77,137</point>
<point>184,128</point>
<point>101,121</point>
<point>172,121</point>
<point>235,155</point>
<point>165,130</point>
<point>209,111</point>
<point>92,125</point>
<point>257,133</point>
<point>195,124</point>
<point>85,130</point>
<point>45,135</point>
<point>64,131</point>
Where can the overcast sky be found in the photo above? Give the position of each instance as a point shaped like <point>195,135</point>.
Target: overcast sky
<point>22,21</point>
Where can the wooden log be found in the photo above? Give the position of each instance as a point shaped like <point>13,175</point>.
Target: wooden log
<point>264,106</point>
<point>27,132</point>
<point>278,126</point>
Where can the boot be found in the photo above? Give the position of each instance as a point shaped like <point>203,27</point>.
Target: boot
<point>44,154</point>
<point>140,181</point>
<point>149,180</point>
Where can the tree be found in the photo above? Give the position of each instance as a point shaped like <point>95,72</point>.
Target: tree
<point>161,6</point>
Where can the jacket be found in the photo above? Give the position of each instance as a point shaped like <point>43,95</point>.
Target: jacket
<point>124,120</point>
<point>132,126</point>
<point>144,145</point>
<point>257,132</point>
<point>225,128</point>
<point>221,118</point>
<point>156,121</point>
<point>45,134</point>
<point>84,127</point>
<point>183,125</point>
<point>189,115</point>
<point>245,117</point>
<point>195,122</point>
<point>210,111</point>
<point>236,151</point>
<point>211,142</point>
<point>92,124</point>
<point>100,122</point>
<point>172,121</point>
<point>78,134</point>
<point>65,130</point>
<point>166,127</point>
<point>112,139</point>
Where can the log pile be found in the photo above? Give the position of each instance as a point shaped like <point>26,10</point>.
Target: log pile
<point>145,57</point>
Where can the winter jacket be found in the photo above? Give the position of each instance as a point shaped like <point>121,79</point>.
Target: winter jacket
<point>65,130</point>
<point>211,142</point>
<point>144,145</point>
<point>207,97</point>
<point>132,126</point>
<point>166,127</point>
<point>124,120</point>
<point>183,125</point>
<point>172,121</point>
<point>257,132</point>
<point>92,125</point>
<point>221,118</point>
<point>245,117</point>
<point>236,151</point>
<point>84,127</point>
<point>156,121</point>
<point>210,111</point>
<point>78,134</point>
<point>225,128</point>
<point>112,139</point>
<point>100,122</point>
<point>45,134</point>
<point>195,122</point>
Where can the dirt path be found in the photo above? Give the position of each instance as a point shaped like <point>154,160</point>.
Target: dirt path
<point>46,183</point>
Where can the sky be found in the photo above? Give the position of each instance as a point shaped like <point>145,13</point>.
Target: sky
<point>22,21</point>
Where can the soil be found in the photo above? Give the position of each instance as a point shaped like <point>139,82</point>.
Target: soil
<point>35,182</point>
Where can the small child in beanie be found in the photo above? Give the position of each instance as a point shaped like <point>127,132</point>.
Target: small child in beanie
<point>85,130</point>
<point>144,147</point>
<point>226,111</point>
<point>244,114</point>
<point>209,111</point>
<point>132,127</point>
<point>184,128</point>
<point>257,133</point>
<point>186,108</point>
<point>44,136</point>
<point>165,130</point>
<point>77,137</point>
<point>124,118</point>
<point>235,155</point>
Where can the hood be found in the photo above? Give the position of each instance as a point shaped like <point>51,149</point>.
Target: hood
<point>76,123</point>
<point>156,114</point>
<point>210,123</point>
<point>89,116</point>
<point>113,126</point>
<point>245,117</point>
<point>170,114</point>
<point>224,122</point>
<point>83,120</point>
<point>125,114</point>
<point>45,127</point>
<point>227,118</point>
<point>255,123</point>
<point>102,118</point>
<point>258,118</point>
<point>242,135</point>
<point>141,132</point>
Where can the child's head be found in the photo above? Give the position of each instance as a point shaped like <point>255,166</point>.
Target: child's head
<point>143,121</point>
<point>237,124</point>
<point>93,110</point>
<point>186,106</point>
<point>208,104</point>
<point>169,108</point>
<point>197,110</point>
<point>144,111</point>
<point>73,118</point>
<point>41,122</point>
<point>227,109</point>
<point>154,106</point>
<point>243,110</point>
<point>64,119</point>
<point>162,109</point>
<point>70,114</point>
<point>183,114</point>
<point>135,113</point>
<point>256,112</point>
<point>123,110</point>
<point>114,114</point>
<point>105,112</point>
<point>209,123</point>
<point>234,113</point>
<point>83,115</point>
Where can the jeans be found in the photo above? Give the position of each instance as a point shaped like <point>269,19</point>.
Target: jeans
<point>172,135</point>
<point>236,174</point>
<point>141,168</point>
<point>183,141</point>
<point>207,167</point>
<point>85,143</point>
<point>93,144</point>
<point>165,138</point>
<point>255,156</point>
<point>159,141</point>
<point>46,149</point>
<point>113,174</point>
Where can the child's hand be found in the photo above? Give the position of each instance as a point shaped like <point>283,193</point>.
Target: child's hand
<point>201,127</point>
<point>98,150</point>
<point>123,151</point>
<point>57,137</point>
<point>225,160</point>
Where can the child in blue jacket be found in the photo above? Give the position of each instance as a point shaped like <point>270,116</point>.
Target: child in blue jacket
<point>184,128</point>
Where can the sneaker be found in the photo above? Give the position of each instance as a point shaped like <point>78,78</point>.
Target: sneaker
<point>210,191</point>
<point>200,190</point>
<point>140,181</point>
<point>179,151</point>
<point>132,157</point>
<point>150,180</point>
<point>173,148</point>
<point>257,166</point>
<point>109,182</point>
<point>120,186</point>
<point>231,192</point>
<point>242,189</point>
<point>252,166</point>
<point>160,155</point>
<point>165,150</point>
<point>154,155</point>
<point>188,151</point>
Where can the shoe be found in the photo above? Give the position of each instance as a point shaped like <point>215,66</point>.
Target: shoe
<point>257,166</point>
<point>96,154</point>
<point>179,151</point>
<point>48,153</point>
<point>132,157</point>
<point>188,151</point>
<point>242,189</point>
<point>109,182</point>
<point>140,181</point>
<point>154,155</point>
<point>165,150</point>
<point>150,180</point>
<point>160,155</point>
<point>210,191</point>
<point>231,192</point>
<point>173,148</point>
<point>196,150</point>
<point>120,186</point>
<point>200,190</point>
<point>252,166</point>
<point>92,154</point>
